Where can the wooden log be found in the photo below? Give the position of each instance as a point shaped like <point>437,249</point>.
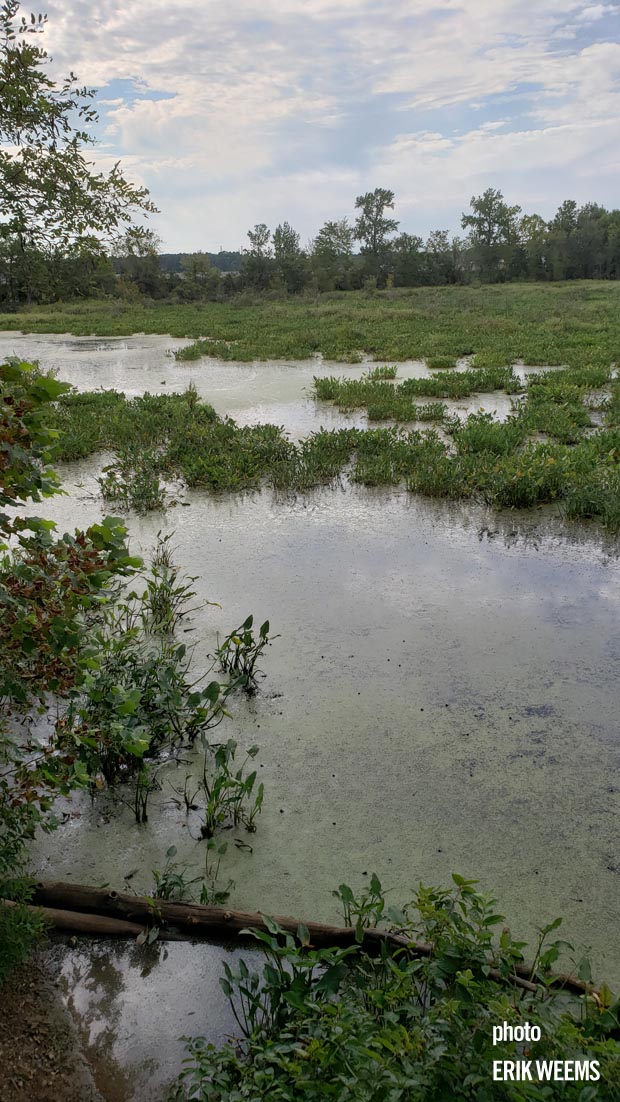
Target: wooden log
<point>80,923</point>
<point>196,920</point>
<point>199,920</point>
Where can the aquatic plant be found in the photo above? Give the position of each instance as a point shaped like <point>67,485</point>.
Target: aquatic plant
<point>164,603</point>
<point>441,363</point>
<point>241,650</point>
<point>412,1022</point>
<point>539,323</point>
<point>212,894</point>
<point>230,795</point>
<point>480,432</point>
<point>385,371</point>
<point>171,882</point>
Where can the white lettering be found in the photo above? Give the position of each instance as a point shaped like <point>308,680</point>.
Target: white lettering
<point>544,1069</point>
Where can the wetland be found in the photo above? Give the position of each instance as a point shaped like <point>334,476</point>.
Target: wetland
<point>441,696</point>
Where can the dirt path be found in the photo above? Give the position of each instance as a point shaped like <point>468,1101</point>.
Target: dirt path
<point>41,1058</point>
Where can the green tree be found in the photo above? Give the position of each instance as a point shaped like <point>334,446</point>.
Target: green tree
<point>257,266</point>
<point>290,260</point>
<point>50,196</point>
<point>136,253</point>
<point>565,218</point>
<point>332,255</point>
<point>493,227</point>
<point>441,258</point>
<point>372,229</point>
<point>409,260</point>
<point>200,279</point>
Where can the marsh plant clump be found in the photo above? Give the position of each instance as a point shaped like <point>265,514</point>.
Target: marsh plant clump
<point>240,651</point>
<point>546,450</point>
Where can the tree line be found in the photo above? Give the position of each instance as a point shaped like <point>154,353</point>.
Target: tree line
<point>500,243</point>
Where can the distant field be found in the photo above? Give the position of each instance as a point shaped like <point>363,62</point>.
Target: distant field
<point>568,323</point>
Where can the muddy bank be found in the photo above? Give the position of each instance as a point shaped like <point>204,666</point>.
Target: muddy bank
<point>41,1054</point>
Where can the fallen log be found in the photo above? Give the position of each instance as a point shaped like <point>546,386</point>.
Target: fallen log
<point>197,920</point>
<point>77,922</point>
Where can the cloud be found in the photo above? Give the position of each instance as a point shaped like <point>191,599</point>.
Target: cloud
<point>594,12</point>
<point>277,110</point>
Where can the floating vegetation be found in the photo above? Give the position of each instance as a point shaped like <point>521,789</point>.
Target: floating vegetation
<point>350,394</point>
<point>441,363</point>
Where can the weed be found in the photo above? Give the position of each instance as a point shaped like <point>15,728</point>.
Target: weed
<point>210,893</point>
<point>541,323</point>
<point>374,374</point>
<point>229,794</point>
<point>241,650</point>
<point>171,882</point>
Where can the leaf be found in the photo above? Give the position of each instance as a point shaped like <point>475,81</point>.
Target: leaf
<point>303,935</point>
<point>331,979</point>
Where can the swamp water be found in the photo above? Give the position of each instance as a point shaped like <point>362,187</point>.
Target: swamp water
<point>443,697</point>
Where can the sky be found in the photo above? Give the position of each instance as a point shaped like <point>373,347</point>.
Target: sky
<point>272,110</point>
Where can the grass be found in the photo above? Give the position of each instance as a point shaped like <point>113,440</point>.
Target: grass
<point>572,323</point>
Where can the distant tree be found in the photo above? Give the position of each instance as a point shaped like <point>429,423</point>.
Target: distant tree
<point>136,254</point>
<point>372,229</point>
<point>200,280</point>
<point>530,257</point>
<point>493,227</point>
<point>50,197</point>
<point>257,267</point>
<point>332,255</point>
<point>441,264</point>
<point>565,218</point>
<point>409,261</point>
<point>291,264</point>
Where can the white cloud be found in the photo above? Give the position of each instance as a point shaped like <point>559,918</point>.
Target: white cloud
<point>595,12</point>
<point>264,119</point>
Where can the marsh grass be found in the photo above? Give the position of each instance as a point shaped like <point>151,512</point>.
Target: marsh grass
<point>441,363</point>
<point>505,464</point>
<point>377,373</point>
<point>556,323</point>
<point>384,400</point>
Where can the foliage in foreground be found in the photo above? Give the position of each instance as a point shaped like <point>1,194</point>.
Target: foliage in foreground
<point>337,1023</point>
<point>96,665</point>
<point>52,592</point>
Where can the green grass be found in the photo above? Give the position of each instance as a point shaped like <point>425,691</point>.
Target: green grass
<point>565,323</point>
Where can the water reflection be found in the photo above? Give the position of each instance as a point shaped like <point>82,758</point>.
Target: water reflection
<point>132,1004</point>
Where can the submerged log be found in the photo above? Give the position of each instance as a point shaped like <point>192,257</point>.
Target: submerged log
<point>196,921</point>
